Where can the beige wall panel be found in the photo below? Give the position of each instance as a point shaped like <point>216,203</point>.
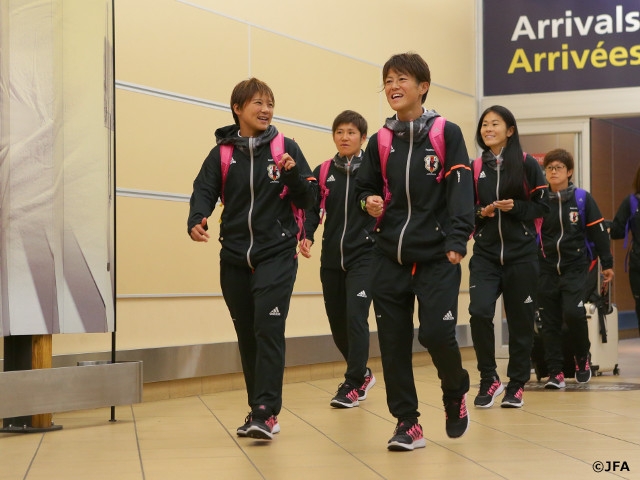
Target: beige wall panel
<point>311,84</point>
<point>70,343</point>
<point>308,279</point>
<point>155,254</point>
<point>316,145</point>
<point>463,306</point>
<point>173,321</point>
<point>460,109</point>
<point>162,143</point>
<point>443,32</point>
<point>170,46</point>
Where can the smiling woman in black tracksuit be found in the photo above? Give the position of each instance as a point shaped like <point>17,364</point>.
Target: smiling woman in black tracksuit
<point>345,261</point>
<point>564,267</point>
<point>510,193</point>
<point>420,241</point>
<point>258,234</point>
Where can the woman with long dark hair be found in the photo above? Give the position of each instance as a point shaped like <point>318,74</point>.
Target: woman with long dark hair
<point>510,192</point>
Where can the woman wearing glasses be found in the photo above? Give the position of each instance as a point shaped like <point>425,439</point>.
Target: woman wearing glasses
<point>510,193</point>
<point>564,267</point>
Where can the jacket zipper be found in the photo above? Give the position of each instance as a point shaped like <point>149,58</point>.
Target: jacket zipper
<point>346,209</point>
<point>499,164</point>
<point>251,189</point>
<point>561,233</point>
<point>406,186</point>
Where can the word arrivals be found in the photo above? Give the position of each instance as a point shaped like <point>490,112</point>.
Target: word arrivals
<point>604,25</point>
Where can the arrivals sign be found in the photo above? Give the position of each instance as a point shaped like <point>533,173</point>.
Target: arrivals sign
<point>533,46</point>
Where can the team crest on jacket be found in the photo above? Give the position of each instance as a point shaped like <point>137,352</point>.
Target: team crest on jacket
<point>573,217</point>
<point>431,163</point>
<point>273,172</point>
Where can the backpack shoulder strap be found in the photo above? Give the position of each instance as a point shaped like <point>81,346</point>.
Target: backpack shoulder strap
<point>385,137</point>
<point>633,211</point>
<point>277,151</point>
<point>581,201</point>
<point>277,148</point>
<point>436,135</point>
<point>324,172</point>
<point>226,152</point>
<point>322,183</point>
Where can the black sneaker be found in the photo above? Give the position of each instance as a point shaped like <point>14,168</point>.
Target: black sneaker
<point>262,426</point>
<point>407,436</point>
<point>583,369</point>
<point>242,429</point>
<point>490,388</point>
<point>369,381</point>
<point>457,417</point>
<point>556,381</point>
<point>513,397</point>
<point>346,396</point>
<point>263,429</point>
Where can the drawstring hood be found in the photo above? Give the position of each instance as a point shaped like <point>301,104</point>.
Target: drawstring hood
<point>564,195</point>
<point>421,126</point>
<point>348,165</point>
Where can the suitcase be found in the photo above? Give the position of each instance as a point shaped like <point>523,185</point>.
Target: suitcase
<point>602,317</point>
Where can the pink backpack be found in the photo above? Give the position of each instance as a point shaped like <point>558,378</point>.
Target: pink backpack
<point>277,150</point>
<point>385,137</point>
<point>322,183</point>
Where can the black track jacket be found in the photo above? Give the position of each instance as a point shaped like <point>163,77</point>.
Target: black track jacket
<point>425,219</point>
<point>347,229</point>
<point>563,232</point>
<point>255,223</point>
<point>510,237</point>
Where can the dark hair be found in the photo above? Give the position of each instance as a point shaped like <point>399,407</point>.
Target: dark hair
<point>559,155</point>
<point>636,182</point>
<point>349,116</point>
<point>244,92</point>
<point>410,64</point>
<point>514,184</point>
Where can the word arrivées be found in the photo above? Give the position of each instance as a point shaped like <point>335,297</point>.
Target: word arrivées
<point>599,57</point>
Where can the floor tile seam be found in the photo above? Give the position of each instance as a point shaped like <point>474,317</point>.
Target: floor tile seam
<point>537,444</point>
<point>33,457</point>
<point>233,438</point>
<point>579,427</point>
<point>135,431</point>
<point>327,437</point>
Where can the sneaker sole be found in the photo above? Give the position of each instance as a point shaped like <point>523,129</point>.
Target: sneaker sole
<point>493,398</point>
<point>242,432</point>
<point>554,386</point>
<point>511,405</point>
<point>259,434</point>
<point>338,404</point>
<point>371,384</point>
<point>406,447</point>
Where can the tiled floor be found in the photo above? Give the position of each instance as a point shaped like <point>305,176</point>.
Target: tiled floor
<point>558,434</point>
